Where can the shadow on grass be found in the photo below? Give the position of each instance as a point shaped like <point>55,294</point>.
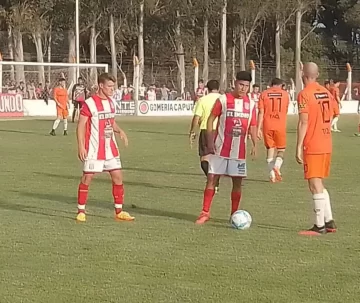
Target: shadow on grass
<point>35,210</point>
<point>126,183</point>
<point>158,132</point>
<point>138,169</point>
<point>162,213</point>
<point>18,132</point>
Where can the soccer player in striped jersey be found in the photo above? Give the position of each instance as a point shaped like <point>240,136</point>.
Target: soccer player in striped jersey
<point>97,147</point>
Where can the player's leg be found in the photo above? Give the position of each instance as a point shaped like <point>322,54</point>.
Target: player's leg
<point>237,170</point>
<point>204,155</point>
<point>316,168</point>
<point>335,120</point>
<point>270,153</point>
<point>83,190</point>
<point>65,121</point>
<point>113,166</point>
<point>358,112</point>
<point>73,115</point>
<point>217,167</point>
<point>280,143</point>
<point>56,122</point>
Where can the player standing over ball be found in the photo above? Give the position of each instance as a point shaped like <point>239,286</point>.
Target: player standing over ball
<point>61,99</point>
<point>202,112</point>
<point>273,108</point>
<point>97,147</point>
<point>314,146</point>
<point>236,116</point>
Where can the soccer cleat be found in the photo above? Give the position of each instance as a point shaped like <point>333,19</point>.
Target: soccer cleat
<point>216,189</point>
<point>52,133</point>
<point>337,130</point>
<point>330,226</point>
<point>314,231</point>
<point>357,134</point>
<point>203,218</point>
<point>124,216</point>
<point>81,217</point>
<point>272,179</point>
<point>65,133</point>
<point>277,174</point>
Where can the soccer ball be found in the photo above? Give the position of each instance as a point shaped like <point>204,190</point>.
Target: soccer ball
<point>241,219</point>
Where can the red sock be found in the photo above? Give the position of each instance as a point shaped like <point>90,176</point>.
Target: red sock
<point>118,194</point>
<point>235,201</point>
<point>208,197</point>
<point>82,197</point>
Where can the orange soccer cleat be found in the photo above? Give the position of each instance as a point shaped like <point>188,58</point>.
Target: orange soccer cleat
<point>124,216</point>
<point>203,218</point>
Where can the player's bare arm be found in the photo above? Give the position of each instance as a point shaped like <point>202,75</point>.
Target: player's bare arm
<point>80,135</point>
<point>253,135</point>
<point>260,124</point>
<point>194,123</point>
<point>301,132</point>
<point>121,133</point>
<point>210,133</point>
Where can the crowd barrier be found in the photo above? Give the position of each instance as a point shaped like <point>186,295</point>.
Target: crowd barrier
<point>13,105</point>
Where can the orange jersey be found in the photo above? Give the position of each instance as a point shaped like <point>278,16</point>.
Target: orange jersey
<point>275,103</point>
<point>335,92</point>
<point>316,101</point>
<point>61,95</point>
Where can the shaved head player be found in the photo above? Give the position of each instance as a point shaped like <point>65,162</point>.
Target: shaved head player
<point>314,146</point>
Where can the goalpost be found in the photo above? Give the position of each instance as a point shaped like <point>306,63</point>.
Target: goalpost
<point>34,72</point>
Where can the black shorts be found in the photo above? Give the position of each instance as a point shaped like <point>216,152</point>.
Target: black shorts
<point>78,104</point>
<point>203,148</point>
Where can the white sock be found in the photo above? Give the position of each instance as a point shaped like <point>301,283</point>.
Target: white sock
<point>328,212</point>
<point>65,124</point>
<point>56,124</point>
<point>334,122</point>
<point>319,209</point>
<point>278,162</point>
<point>270,163</point>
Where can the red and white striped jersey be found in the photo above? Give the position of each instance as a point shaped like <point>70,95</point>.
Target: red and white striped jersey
<point>235,118</point>
<point>100,140</point>
<point>254,96</point>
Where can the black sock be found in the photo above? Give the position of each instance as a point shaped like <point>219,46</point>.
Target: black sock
<point>205,167</point>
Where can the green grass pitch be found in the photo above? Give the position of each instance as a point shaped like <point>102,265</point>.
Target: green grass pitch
<point>46,257</point>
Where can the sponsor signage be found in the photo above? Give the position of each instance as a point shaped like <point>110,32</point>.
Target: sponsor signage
<point>11,105</point>
<point>166,108</point>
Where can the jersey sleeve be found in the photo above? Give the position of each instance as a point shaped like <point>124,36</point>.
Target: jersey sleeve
<point>261,102</point>
<point>198,110</point>
<point>302,103</point>
<point>85,111</point>
<point>253,121</point>
<point>217,109</point>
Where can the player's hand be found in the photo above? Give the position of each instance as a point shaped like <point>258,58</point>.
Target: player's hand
<point>82,154</point>
<point>192,137</point>
<point>299,156</point>
<point>253,152</point>
<point>259,134</point>
<point>124,138</point>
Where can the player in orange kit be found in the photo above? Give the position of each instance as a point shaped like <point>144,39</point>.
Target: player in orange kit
<point>314,146</point>
<point>273,108</point>
<point>61,99</point>
<point>334,90</point>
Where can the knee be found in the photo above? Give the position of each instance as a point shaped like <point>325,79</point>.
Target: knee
<point>86,179</point>
<point>116,178</point>
<point>316,187</point>
<point>211,181</point>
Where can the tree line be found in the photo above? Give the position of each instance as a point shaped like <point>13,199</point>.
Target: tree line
<point>223,35</point>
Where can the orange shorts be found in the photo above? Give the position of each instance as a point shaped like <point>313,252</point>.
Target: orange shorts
<point>63,113</point>
<point>336,110</point>
<point>275,139</point>
<point>316,166</point>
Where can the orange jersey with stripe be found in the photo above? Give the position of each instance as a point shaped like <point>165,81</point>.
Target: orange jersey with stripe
<point>275,103</point>
<point>61,95</point>
<point>316,101</point>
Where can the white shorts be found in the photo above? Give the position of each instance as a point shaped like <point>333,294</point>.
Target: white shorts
<point>227,167</point>
<point>99,166</point>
